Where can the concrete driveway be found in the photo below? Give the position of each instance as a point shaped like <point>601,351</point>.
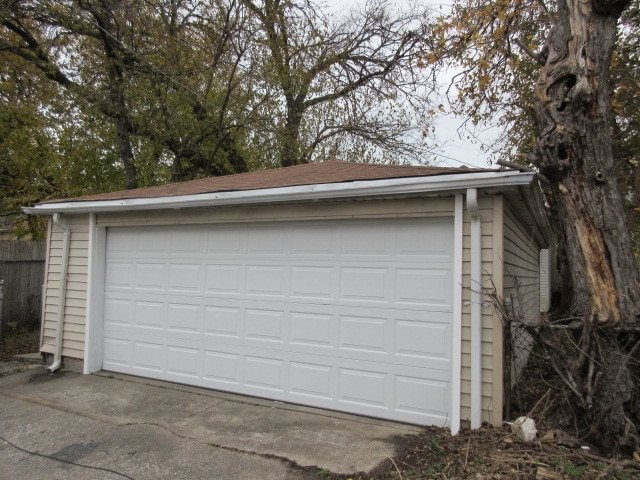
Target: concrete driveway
<point>109,426</point>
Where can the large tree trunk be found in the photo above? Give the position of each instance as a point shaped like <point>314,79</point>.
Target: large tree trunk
<point>290,150</point>
<point>116,87</point>
<point>574,151</point>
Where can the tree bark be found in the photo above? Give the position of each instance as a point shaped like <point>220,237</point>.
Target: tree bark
<point>291,149</point>
<point>116,88</point>
<point>574,150</point>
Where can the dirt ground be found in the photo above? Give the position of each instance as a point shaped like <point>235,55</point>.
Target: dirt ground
<point>17,342</point>
<point>492,453</point>
<point>485,454</point>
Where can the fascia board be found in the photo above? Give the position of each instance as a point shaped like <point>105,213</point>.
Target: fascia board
<point>359,189</point>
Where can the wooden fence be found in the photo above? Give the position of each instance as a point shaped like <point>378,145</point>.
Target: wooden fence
<point>22,269</point>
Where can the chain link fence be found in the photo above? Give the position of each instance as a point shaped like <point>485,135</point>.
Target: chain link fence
<point>522,367</point>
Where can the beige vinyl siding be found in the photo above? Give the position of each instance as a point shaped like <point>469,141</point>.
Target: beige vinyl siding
<point>521,282</point>
<point>304,211</point>
<point>76,295</point>
<point>491,332</point>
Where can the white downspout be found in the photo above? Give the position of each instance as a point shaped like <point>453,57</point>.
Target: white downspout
<point>62,292</point>
<point>456,348</point>
<point>476,308</point>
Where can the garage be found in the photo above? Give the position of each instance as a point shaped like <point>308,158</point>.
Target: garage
<point>350,315</point>
<point>348,286</point>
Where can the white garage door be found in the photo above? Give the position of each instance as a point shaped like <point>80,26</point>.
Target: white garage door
<point>345,315</point>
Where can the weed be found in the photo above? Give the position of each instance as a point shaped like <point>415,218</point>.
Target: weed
<point>575,470</point>
<point>621,475</point>
<point>570,469</point>
<point>433,442</point>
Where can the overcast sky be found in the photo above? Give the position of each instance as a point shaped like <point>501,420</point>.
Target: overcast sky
<point>458,148</point>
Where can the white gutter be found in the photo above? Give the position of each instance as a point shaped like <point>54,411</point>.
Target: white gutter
<point>454,183</point>
<point>62,291</point>
<point>476,308</point>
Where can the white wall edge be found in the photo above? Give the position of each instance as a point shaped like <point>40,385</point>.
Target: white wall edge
<point>456,328</point>
<point>476,307</point>
<point>95,294</point>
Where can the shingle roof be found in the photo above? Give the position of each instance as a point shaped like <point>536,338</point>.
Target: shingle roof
<point>308,174</point>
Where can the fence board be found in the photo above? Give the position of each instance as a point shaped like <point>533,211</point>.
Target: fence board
<point>22,269</point>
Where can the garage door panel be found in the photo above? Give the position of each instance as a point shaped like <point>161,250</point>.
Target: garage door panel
<point>119,275</point>
<point>363,334</point>
<point>422,339</point>
<point>222,321</point>
<point>117,311</point>
<point>184,362</point>
<point>185,277</point>
<point>116,352</point>
<point>148,355</point>
<point>363,388</point>
<point>269,242</point>
<point>264,325</point>
<point>264,373</point>
<point>150,315</point>
<point>223,370</point>
<point>224,279</point>
<point>149,276</point>
<point>147,241</point>
<point>313,242</point>
<point>184,243</point>
<point>364,284</point>
<point>313,282</point>
<point>266,280</point>
<point>311,329</point>
<point>349,315</point>
<point>403,337</point>
<point>423,287</point>
<point>311,380</point>
<point>369,286</point>
<point>366,240</point>
<point>184,318</point>
<point>292,351</point>
<point>416,395</point>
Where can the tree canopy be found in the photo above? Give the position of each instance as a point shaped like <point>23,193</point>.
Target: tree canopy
<point>138,93</point>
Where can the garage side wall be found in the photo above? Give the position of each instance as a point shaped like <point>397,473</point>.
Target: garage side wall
<point>76,294</point>
<point>521,283</point>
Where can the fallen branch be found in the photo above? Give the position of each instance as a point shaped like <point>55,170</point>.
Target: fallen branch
<point>612,461</point>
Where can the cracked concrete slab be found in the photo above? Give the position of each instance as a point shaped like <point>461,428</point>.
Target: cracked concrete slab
<point>97,450</point>
<point>151,429</point>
